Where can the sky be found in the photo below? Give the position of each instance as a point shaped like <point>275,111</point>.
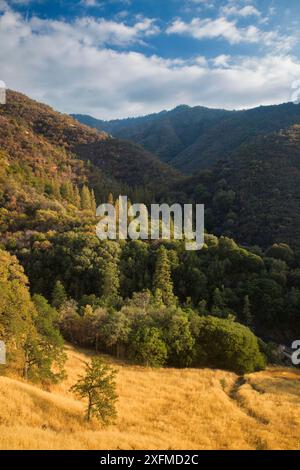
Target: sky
<point>120,58</point>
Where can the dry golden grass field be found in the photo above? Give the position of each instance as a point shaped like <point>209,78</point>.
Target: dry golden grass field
<point>158,409</point>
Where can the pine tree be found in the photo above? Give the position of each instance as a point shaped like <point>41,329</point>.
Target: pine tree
<point>56,189</point>
<point>64,191</point>
<point>44,352</point>
<point>16,309</point>
<point>129,204</point>
<point>158,298</point>
<point>67,191</point>
<point>218,304</point>
<point>111,284</point>
<point>117,209</point>
<point>110,199</point>
<point>162,277</point>
<point>86,203</point>
<point>77,199</point>
<point>59,295</point>
<point>247,315</point>
<point>99,387</point>
<point>93,202</point>
<point>70,192</point>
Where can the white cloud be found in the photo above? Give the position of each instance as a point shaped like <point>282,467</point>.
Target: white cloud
<point>100,3</point>
<point>222,60</point>
<point>3,6</point>
<point>63,64</point>
<point>206,3</point>
<point>97,32</point>
<point>207,28</point>
<point>91,3</point>
<point>233,10</point>
<point>227,29</point>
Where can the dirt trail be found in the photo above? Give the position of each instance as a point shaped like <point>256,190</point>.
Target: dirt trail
<point>252,437</point>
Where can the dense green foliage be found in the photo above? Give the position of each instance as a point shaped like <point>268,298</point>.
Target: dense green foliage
<point>28,326</point>
<point>157,335</point>
<point>228,345</point>
<point>222,279</point>
<point>153,303</point>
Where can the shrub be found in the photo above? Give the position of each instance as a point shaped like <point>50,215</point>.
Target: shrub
<point>147,347</point>
<point>228,345</point>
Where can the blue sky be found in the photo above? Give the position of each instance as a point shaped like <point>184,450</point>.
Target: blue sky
<point>119,58</point>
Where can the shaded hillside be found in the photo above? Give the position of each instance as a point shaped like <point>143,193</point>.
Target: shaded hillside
<point>224,138</point>
<point>166,134</point>
<point>128,163</point>
<point>194,138</point>
<point>255,196</point>
<point>43,150</point>
<point>41,177</point>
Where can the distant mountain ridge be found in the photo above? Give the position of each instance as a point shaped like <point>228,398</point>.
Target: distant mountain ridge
<point>192,138</point>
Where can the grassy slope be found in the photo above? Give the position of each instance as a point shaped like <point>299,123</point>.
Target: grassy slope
<point>164,408</point>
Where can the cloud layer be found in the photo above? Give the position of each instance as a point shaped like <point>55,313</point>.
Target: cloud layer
<point>76,68</point>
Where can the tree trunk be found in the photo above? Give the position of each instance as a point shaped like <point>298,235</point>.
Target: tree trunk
<point>89,410</point>
<point>25,369</point>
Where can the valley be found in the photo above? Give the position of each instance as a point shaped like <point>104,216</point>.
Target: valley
<point>149,231</point>
<point>194,335</point>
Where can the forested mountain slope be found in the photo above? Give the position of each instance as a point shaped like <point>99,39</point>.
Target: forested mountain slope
<point>49,144</point>
<point>54,170</point>
<point>254,197</point>
<point>166,134</point>
<point>194,138</point>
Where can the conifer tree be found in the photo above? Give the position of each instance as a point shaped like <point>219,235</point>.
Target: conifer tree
<point>110,199</point>
<point>16,308</point>
<point>218,304</point>
<point>59,295</point>
<point>129,204</point>
<point>162,277</point>
<point>247,315</point>
<point>111,284</point>
<point>117,209</point>
<point>44,350</point>
<point>64,191</point>
<point>93,202</point>
<point>67,191</point>
<point>56,189</point>
<point>86,203</point>
<point>70,192</point>
<point>77,199</point>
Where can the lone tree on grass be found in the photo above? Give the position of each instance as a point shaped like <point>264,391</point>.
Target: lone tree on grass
<point>99,387</point>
